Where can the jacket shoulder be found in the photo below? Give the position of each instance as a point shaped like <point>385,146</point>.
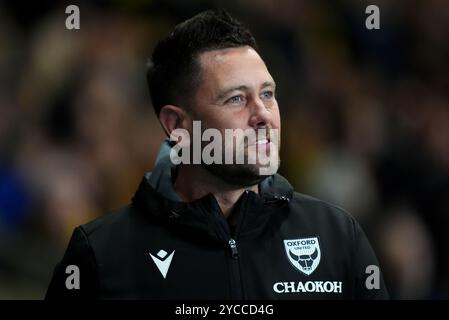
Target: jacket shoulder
<point>309,203</point>
<point>323,215</point>
<point>107,222</point>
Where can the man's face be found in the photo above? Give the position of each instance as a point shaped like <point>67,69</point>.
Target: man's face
<point>236,91</point>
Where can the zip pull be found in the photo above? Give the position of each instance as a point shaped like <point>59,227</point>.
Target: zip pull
<point>233,245</point>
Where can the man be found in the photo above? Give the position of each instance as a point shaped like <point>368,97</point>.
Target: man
<point>218,230</point>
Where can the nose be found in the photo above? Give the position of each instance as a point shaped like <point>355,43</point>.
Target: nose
<point>260,116</point>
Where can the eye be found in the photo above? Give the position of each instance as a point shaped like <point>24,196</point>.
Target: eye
<point>236,99</point>
<point>267,94</point>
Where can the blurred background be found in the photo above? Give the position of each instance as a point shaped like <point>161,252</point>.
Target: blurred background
<point>365,122</point>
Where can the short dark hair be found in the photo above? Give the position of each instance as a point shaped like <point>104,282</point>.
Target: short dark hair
<point>174,72</point>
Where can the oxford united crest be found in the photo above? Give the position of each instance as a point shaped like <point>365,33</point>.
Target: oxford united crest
<point>304,254</point>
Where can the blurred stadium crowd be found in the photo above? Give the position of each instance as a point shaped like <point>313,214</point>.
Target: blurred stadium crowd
<point>365,122</point>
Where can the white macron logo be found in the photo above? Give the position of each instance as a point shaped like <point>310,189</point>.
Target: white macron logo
<point>162,261</point>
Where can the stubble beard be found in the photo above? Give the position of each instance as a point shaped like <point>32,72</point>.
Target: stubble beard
<point>242,175</point>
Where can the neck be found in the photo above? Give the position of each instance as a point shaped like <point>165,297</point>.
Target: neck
<point>193,182</point>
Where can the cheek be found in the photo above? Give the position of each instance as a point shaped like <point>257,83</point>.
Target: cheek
<point>276,116</point>
<point>226,120</point>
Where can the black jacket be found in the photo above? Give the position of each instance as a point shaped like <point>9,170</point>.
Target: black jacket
<point>286,246</point>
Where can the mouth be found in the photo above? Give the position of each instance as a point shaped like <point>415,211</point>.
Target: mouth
<point>263,145</point>
<point>263,141</point>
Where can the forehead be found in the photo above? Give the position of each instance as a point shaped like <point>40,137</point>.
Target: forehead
<point>233,66</point>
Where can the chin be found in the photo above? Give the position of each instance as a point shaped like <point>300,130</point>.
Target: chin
<point>242,175</point>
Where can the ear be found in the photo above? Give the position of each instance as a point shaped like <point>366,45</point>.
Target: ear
<point>172,117</point>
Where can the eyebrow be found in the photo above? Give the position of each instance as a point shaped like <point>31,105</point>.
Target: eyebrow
<point>225,92</point>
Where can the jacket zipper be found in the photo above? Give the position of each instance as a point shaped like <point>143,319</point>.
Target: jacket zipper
<point>233,246</point>
<point>235,274</point>
<point>237,291</point>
